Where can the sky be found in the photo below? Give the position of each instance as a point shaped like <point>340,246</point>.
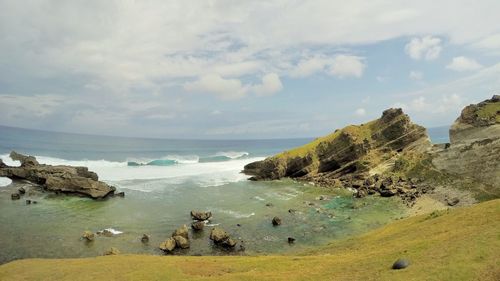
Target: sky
<point>242,69</point>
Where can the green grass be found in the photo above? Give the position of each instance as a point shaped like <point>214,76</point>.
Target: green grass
<point>460,244</point>
<point>490,110</point>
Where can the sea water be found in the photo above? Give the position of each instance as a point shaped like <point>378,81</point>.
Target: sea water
<point>163,181</point>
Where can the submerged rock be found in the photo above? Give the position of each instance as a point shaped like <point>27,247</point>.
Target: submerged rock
<point>15,196</point>
<point>67,179</point>
<point>201,216</point>
<point>145,238</point>
<point>453,201</point>
<point>28,202</point>
<point>88,235</point>
<point>168,245</point>
<point>120,194</point>
<point>400,264</point>
<point>21,190</point>
<point>276,221</point>
<point>291,240</point>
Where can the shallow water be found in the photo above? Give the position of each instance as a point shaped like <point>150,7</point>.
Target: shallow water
<point>52,228</point>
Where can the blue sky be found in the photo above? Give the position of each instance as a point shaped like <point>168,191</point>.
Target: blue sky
<point>234,69</point>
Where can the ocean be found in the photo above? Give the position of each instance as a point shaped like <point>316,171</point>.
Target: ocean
<point>164,180</point>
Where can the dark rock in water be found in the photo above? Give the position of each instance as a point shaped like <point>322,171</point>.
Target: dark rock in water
<point>242,248</point>
<point>34,202</point>
<point>201,216</point>
<point>15,196</point>
<point>120,194</point>
<point>198,225</point>
<point>112,251</point>
<point>400,264</point>
<point>168,245</point>
<point>269,205</point>
<point>88,235</point>
<point>292,211</point>
<point>276,221</point>
<point>145,238</point>
<point>105,232</point>
<point>453,201</point>
<point>28,202</point>
<point>181,242</point>
<point>181,231</point>
<point>291,240</point>
<point>21,190</point>
<point>238,224</point>
<point>66,179</point>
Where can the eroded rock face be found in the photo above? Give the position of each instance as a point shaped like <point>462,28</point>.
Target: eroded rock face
<point>351,150</point>
<point>68,179</point>
<point>475,145</point>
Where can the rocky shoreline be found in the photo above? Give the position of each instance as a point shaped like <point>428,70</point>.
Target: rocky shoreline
<point>57,179</point>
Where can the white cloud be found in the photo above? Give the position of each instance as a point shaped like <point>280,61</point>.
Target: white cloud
<point>215,84</point>
<point>347,66</point>
<point>271,84</point>
<point>416,75</point>
<point>228,89</point>
<point>360,112</point>
<point>489,43</point>
<point>308,67</point>
<point>463,64</point>
<point>427,48</point>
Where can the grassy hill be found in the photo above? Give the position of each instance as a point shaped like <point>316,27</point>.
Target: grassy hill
<point>458,244</point>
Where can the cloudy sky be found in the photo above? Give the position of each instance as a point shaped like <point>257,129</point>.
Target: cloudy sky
<point>242,69</point>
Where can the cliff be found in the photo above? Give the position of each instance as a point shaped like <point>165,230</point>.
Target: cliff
<point>474,150</point>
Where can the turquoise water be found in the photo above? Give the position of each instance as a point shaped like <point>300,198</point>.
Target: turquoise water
<point>168,180</point>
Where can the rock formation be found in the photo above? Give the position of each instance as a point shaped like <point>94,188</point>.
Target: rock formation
<point>349,157</point>
<point>222,238</point>
<point>474,149</point>
<point>67,179</point>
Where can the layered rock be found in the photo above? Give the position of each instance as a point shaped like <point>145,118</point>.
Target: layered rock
<point>474,147</point>
<point>61,178</point>
<point>348,155</point>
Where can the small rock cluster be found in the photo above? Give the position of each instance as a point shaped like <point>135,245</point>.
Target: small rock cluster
<point>222,238</point>
<point>409,189</point>
<point>199,219</point>
<point>179,239</point>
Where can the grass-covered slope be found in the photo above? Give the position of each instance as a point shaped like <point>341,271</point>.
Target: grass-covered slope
<point>460,244</point>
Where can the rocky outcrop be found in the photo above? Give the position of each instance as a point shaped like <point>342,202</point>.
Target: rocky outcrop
<point>222,238</point>
<point>474,147</point>
<point>349,155</point>
<point>66,179</point>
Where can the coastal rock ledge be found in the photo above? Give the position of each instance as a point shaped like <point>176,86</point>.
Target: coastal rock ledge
<point>60,178</point>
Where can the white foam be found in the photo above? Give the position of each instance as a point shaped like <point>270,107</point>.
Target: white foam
<point>8,161</point>
<point>259,198</point>
<point>5,181</point>
<point>113,231</point>
<point>232,213</point>
<point>232,154</point>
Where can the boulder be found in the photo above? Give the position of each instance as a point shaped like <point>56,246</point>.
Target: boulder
<point>15,196</point>
<point>88,235</point>
<point>105,232</point>
<point>168,245</point>
<point>28,202</point>
<point>66,179</point>
<point>276,221</point>
<point>21,190</point>
<point>181,231</point>
<point>201,216</point>
<point>400,264</point>
<point>218,235</point>
<point>452,202</point>
<point>291,240</point>
<point>181,242</point>
<point>198,225</point>
<point>112,251</point>
<point>145,238</point>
